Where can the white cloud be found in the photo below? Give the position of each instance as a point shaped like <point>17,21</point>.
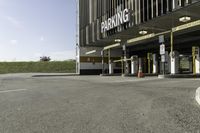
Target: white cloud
<point>42,38</point>
<point>14,22</point>
<point>13,42</point>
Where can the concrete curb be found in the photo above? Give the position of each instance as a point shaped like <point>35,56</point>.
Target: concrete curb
<point>197,97</point>
<point>179,76</point>
<point>135,75</point>
<point>162,76</point>
<point>55,75</point>
<point>107,75</point>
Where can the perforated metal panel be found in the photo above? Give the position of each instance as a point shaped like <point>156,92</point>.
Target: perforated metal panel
<point>94,12</point>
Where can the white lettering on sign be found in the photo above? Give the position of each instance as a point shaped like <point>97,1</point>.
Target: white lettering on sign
<point>116,20</point>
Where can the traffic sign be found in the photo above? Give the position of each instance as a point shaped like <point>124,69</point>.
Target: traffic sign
<point>124,47</point>
<point>161,39</point>
<point>162,49</point>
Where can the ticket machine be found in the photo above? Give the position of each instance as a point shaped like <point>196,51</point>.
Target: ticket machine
<point>134,64</point>
<point>174,62</point>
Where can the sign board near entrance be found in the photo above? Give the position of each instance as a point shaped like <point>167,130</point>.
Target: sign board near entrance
<point>118,19</point>
<point>161,39</point>
<point>162,49</point>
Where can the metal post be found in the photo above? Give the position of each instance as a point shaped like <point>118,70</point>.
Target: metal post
<point>125,61</point>
<point>194,65</point>
<point>122,65</point>
<point>172,49</point>
<point>194,60</point>
<point>109,54</point>
<point>172,42</point>
<point>77,39</point>
<point>140,73</point>
<point>102,52</point>
<point>163,68</point>
<point>149,62</point>
<point>109,59</point>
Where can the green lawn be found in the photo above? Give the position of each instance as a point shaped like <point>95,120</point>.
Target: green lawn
<point>40,67</point>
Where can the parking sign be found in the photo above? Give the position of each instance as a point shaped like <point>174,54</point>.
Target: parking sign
<point>162,49</point>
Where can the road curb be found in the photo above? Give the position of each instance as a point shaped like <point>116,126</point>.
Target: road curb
<point>179,76</point>
<point>197,97</point>
<point>55,75</point>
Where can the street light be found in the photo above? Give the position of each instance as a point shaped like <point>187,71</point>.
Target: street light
<point>91,52</point>
<point>77,38</point>
<point>118,40</point>
<point>143,32</point>
<point>185,19</point>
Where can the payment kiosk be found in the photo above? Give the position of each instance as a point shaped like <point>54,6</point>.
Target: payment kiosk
<point>174,62</point>
<point>134,64</point>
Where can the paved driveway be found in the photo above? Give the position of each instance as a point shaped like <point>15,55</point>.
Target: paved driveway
<point>93,104</point>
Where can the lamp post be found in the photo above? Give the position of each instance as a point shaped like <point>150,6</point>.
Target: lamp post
<point>77,39</point>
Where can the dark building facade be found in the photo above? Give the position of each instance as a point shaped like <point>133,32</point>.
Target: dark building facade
<point>103,23</point>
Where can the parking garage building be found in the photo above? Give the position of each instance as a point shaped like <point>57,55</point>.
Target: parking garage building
<point>129,36</point>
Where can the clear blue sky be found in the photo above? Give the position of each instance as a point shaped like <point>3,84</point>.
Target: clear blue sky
<point>33,28</point>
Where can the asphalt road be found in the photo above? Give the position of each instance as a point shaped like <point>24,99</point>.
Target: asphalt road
<point>93,104</point>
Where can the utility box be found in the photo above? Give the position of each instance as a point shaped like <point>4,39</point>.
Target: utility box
<point>134,64</point>
<point>111,67</point>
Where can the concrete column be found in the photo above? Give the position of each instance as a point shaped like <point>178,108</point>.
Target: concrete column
<point>197,63</point>
<point>134,65</point>
<point>110,67</point>
<point>140,64</point>
<point>174,62</point>
<point>167,62</point>
<point>155,64</point>
<point>126,67</point>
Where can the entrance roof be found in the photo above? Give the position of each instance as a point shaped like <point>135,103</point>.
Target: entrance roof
<point>160,24</point>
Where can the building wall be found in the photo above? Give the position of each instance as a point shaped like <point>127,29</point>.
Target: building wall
<point>93,12</point>
<point>92,63</point>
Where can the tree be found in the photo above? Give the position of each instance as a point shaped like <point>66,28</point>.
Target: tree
<point>45,58</point>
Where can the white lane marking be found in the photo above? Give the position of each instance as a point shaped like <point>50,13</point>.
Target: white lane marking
<point>197,97</point>
<point>7,91</point>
